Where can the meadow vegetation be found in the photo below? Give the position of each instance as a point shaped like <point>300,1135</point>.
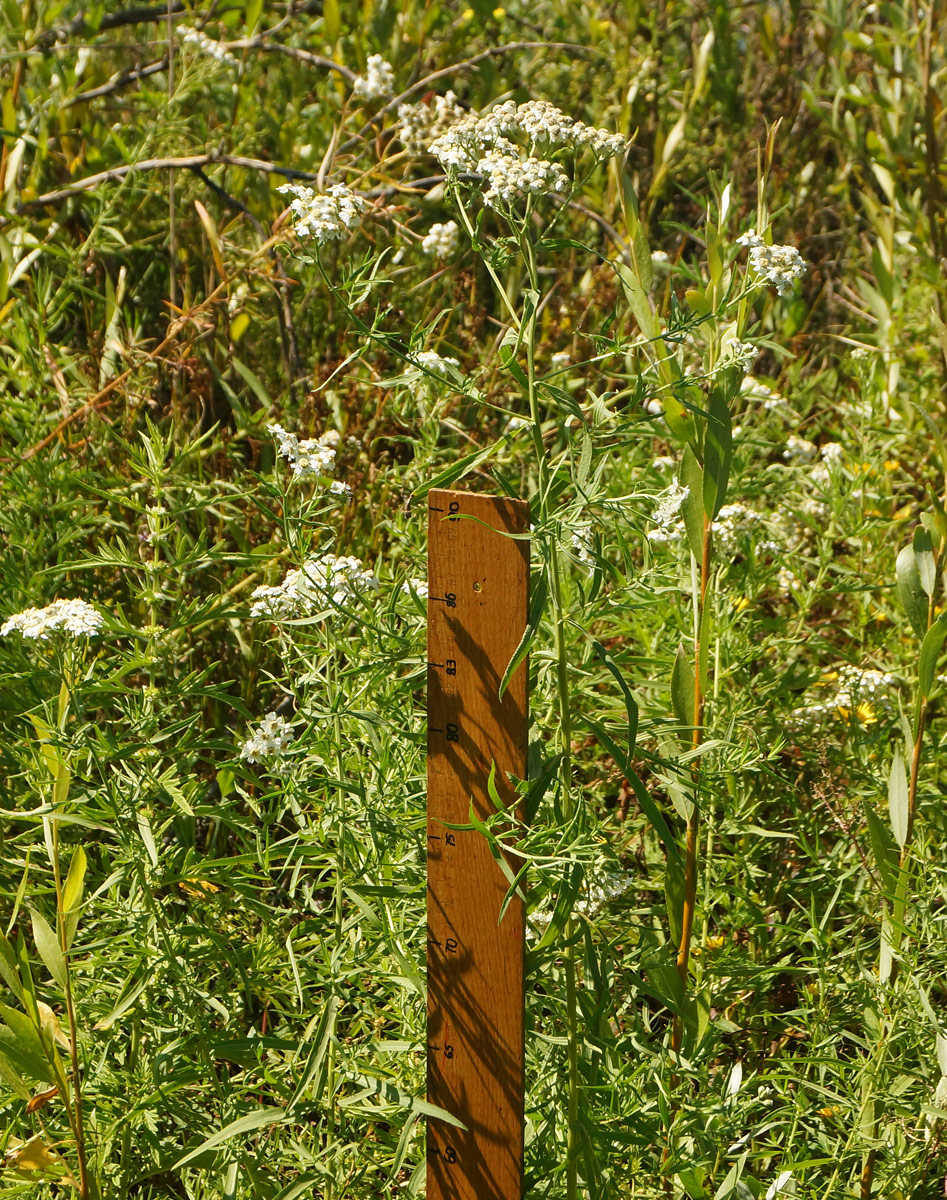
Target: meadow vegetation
<point>675,272</point>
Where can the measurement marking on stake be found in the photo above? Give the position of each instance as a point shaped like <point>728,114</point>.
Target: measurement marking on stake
<point>475,961</point>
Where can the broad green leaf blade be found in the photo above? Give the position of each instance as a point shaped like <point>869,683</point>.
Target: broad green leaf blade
<point>693,506</point>
<point>923,547</point>
<point>898,798</point>
<point>8,968</point>
<point>930,652</point>
<point>718,448</point>
<point>682,689</point>
<point>72,893</point>
<point>883,848</point>
<point>911,591</point>
<point>245,1124</point>
<point>49,949</point>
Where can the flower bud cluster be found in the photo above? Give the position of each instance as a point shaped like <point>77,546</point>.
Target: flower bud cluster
<point>324,216</point>
<point>420,124</point>
<point>441,240</point>
<point>434,363</point>
<point>377,82</point>
<point>206,45</point>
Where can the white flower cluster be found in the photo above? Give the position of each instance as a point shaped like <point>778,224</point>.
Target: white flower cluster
<point>832,454</point>
<point>420,124</point>
<point>417,586</point>
<point>316,582</point>
<point>441,240</point>
<point>560,360</point>
<point>75,617</point>
<point>377,82</point>
<point>799,450</point>
<point>582,545</point>
<point>740,354</point>
<point>272,739</point>
<point>434,363</point>
<point>487,144</point>
<point>734,524</point>
<point>778,265</point>
<point>852,691</point>
<point>324,216</point>
<point>597,896</point>
<point>206,45</point>
<point>309,458</point>
<point>761,393</point>
<point>511,176</point>
<point>669,504</point>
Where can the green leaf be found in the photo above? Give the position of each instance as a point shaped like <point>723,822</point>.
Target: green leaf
<point>898,798</point>
<point>462,467</point>
<point>585,461</point>
<point>245,1124</point>
<point>72,893</point>
<point>253,382</point>
<point>47,943</point>
<point>911,591</point>
<point>22,1045</point>
<point>631,706</point>
<point>883,848</point>
<point>313,1079</point>
<point>8,968</point>
<point>537,606</point>
<point>9,1074</point>
<point>693,506</point>
<point>252,17</point>
<point>924,556</point>
<point>645,800</point>
<point>674,900</point>
<point>718,447</point>
<point>930,652</point>
<point>572,877</point>
<point>682,689</point>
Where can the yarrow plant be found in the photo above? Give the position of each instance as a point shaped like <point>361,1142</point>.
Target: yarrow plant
<point>310,458</point>
<point>324,216</point>
<point>378,80</point>
<point>329,579</point>
<point>74,617</point>
<point>271,739</point>
<point>779,265</point>
<point>206,45</point>
<point>441,240</point>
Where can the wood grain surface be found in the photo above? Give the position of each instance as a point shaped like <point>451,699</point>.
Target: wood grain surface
<point>477,610</point>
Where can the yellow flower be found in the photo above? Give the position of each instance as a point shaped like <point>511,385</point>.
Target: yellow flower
<point>716,942</point>
<point>741,603</point>
<point>499,14</point>
<point>830,1110</point>
<point>892,464</point>
<point>865,714</point>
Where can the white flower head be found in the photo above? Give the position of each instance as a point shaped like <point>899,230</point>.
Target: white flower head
<point>740,354</point>
<point>319,581</point>
<point>271,739</point>
<point>799,450</point>
<point>324,216</point>
<point>74,617</point>
<point>205,45</point>
<point>416,586</point>
<point>310,458</point>
<point>378,80</point>
<point>779,265</point>
<point>441,240</point>
<point>435,364</point>
<point>669,504</point>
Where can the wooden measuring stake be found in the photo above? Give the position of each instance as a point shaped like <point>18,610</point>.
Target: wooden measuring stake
<point>477,611</point>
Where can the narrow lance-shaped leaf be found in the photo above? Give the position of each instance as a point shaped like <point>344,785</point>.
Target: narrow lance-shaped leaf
<point>898,798</point>
<point>923,548</point>
<point>682,689</point>
<point>718,447</point>
<point>49,949</point>
<point>693,506</point>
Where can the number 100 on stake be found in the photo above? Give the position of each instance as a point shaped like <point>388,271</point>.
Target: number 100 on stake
<point>478,577</point>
